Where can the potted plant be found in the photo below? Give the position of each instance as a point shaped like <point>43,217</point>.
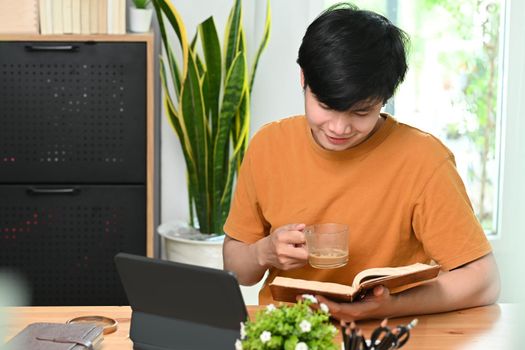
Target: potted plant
<point>140,16</point>
<point>207,98</point>
<point>289,327</point>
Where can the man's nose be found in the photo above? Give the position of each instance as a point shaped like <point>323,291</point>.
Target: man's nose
<point>340,125</point>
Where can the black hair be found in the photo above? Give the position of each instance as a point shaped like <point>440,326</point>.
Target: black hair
<point>350,56</point>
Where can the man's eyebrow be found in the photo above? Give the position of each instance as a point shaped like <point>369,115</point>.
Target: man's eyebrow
<point>362,109</point>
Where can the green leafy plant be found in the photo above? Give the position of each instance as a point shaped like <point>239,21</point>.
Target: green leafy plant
<point>289,327</point>
<point>141,4</point>
<point>207,98</point>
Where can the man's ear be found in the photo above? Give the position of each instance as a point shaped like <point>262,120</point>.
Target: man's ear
<point>302,79</point>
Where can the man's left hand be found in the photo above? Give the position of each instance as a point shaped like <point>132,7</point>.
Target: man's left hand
<point>375,305</point>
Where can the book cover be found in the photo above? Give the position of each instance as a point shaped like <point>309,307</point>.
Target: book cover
<point>58,22</point>
<point>396,279</point>
<point>75,16</point>
<point>85,22</point>
<point>110,16</point>
<point>19,16</point>
<point>121,17</point>
<point>93,16</point>
<point>44,25</point>
<point>103,16</point>
<point>67,16</point>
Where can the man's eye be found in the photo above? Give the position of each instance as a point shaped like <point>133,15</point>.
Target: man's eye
<point>323,106</point>
<point>361,114</point>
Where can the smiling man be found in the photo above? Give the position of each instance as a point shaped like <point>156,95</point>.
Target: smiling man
<point>396,187</point>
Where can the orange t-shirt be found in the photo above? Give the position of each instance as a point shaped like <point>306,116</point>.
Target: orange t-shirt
<point>399,193</point>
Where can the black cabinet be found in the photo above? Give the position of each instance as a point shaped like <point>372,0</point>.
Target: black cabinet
<point>72,112</point>
<point>73,165</point>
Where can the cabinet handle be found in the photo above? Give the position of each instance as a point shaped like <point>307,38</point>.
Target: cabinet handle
<point>36,190</point>
<point>51,47</point>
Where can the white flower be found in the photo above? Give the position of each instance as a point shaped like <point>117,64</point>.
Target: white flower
<point>301,346</point>
<point>324,308</point>
<point>305,326</point>
<point>333,329</point>
<point>238,345</point>
<point>243,331</point>
<point>270,308</point>
<point>310,297</point>
<point>265,336</point>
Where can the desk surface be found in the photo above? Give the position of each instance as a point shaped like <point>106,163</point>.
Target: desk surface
<point>480,328</point>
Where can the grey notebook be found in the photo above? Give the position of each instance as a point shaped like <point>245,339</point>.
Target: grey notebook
<point>180,306</point>
<point>57,336</point>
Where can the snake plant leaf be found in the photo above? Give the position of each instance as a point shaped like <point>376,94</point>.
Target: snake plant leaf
<point>174,70</point>
<point>264,42</point>
<point>193,113</point>
<point>200,66</point>
<point>181,133</point>
<point>233,30</point>
<point>235,161</point>
<point>239,115</point>
<point>173,16</point>
<point>212,57</point>
<point>233,91</point>
<point>175,120</point>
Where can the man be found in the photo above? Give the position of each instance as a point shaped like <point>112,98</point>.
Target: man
<point>396,187</point>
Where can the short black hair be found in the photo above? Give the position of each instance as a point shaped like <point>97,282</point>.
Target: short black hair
<point>350,56</point>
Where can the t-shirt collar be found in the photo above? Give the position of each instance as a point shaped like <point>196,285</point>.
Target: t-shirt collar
<point>364,147</point>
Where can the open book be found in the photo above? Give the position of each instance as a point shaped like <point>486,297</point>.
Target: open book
<point>396,279</point>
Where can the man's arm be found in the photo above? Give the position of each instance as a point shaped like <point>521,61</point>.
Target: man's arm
<point>474,284</point>
<point>241,258</point>
<point>284,249</point>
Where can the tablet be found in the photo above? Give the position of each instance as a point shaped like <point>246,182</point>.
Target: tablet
<point>180,306</point>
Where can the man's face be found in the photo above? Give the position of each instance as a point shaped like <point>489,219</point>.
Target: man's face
<point>337,131</point>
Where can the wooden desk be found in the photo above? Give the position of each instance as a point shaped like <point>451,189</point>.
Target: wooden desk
<point>479,328</point>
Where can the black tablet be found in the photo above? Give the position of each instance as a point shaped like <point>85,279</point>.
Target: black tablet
<point>180,306</point>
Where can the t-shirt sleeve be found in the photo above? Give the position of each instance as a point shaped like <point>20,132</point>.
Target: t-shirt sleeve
<point>444,221</point>
<point>245,221</point>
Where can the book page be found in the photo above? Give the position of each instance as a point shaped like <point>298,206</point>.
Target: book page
<point>381,272</point>
<point>328,287</point>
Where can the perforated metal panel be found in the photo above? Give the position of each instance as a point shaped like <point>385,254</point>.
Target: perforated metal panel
<point>63,239</point>
<point>72,112</point>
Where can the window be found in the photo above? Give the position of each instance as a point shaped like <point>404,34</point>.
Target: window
<point>453,85</point>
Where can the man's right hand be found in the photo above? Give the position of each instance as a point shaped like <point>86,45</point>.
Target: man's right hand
<point>284,248</point>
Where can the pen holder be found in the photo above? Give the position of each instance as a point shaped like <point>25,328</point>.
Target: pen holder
<point>382,338</point>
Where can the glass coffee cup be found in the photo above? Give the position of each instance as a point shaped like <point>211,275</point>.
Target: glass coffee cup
<point>327,245</point>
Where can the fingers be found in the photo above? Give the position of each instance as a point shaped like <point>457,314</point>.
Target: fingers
<point>287,248</point>
<point>291,234</point>
<point>289,257</point>
<point>373,306</point>
<point>292,227</point>
<point>379,291</point>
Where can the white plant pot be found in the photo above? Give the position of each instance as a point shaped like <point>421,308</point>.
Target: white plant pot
<point>140,19</point>
<point>189,251</point>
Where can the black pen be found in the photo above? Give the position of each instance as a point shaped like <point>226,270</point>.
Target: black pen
<point>345,337</point>
<point>353,342</point>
